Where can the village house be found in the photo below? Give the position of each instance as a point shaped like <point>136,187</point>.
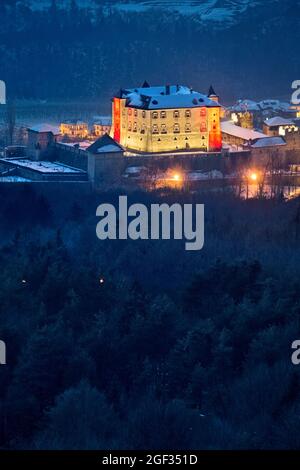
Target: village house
<point>40,138</point>
<point>236,136</point>
<point>278,126</point>
<point>102,126</point>
<point>74,129</point>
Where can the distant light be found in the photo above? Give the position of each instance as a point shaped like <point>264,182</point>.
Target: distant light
<point>101,280</point>
<point>177,177</point>
<point>253,176</point>
<point>24,281</point>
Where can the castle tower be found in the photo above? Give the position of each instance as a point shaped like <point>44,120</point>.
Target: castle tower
<point>212,95</point>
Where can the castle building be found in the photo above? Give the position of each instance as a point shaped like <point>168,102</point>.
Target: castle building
<point>166,119</point>
<point>74,129</point>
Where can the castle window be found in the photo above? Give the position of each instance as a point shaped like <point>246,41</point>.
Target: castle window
<point>155,115</point>
<point>135,113</point>
<point>188,127</point>
<point>143,130</point>
<point>164,129</point>
<point>176,114</point>
<point>144,114</point>
<point>203,127</point>
<point>155,129</point>
<point>129,126</point>
<point>176,129</point>
<point>188,113</point>
<point>203,112</point>
<point>134,127</point>
<point>163,114</point>
<point>129,111</point>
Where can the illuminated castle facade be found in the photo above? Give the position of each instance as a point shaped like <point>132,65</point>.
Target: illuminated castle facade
<point>166,119</point>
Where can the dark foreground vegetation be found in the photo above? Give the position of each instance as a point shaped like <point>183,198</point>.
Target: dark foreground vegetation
<point>174,350</point>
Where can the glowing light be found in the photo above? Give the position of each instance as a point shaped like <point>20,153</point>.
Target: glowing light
<point>253,176</point>
<point>101,280</point>
<point>177,177</point>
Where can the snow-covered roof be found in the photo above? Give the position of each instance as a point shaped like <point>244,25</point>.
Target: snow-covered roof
<point>108,149</point>
<point>45,128</point>
<point>268,142</point>
<point>42,166</point>
<point>245,105</point>
<point>102,120</point>
<point>83,145</point>
<point>228,127</point>
<point>105,144</point>
<point>75,122</point>
<point>278,121</point>
<point>162,97</point>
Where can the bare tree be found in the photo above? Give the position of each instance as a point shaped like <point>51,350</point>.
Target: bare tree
<point>10,122</point>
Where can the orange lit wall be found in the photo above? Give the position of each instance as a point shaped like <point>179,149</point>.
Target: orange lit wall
<point>215,134</point>
<point>117,120</point>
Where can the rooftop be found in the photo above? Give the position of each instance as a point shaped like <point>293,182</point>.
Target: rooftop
<point>268,142</point>
<point>278,121</point>
<point>41,166</point>
<point>246,134</point>
<point>165,97</point>
<point>74,122</point>
<point>105,144</point>
<point>45,128</point>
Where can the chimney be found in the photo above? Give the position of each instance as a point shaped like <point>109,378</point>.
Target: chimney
<point>168,90</point>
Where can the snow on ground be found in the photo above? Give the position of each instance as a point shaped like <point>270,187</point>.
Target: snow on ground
<point>42,167</point>
<point>13,179</point>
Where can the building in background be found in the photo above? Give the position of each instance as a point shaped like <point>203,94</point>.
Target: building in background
<point>166,119</point>
<point>74,129</point>
<point>40,138</point>
<point>279,126</point>
<point>101,126</point>
<point>237,136</point>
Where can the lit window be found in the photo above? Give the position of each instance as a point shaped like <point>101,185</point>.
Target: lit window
<point>164,129</point>
<point>203,112</point>
<point>135,113</point>
<point>144,114</point>
<point>163,114</point>
<point>155,115</point>
<point>203,127</point>
<point>176,129</point>
<point>129,111</point>
<point>134,127</point>
<point>155,129</point>
<point>129,126</point>
<point>187,113</point>
<point>176,114</point>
